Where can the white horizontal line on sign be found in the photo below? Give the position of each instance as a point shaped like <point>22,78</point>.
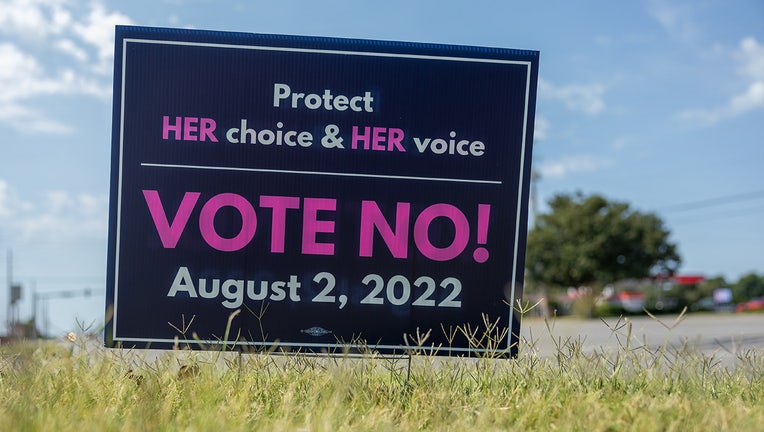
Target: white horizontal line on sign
<point>328,51</point>
<point>320,173</point>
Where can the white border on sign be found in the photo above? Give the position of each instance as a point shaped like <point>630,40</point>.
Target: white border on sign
<point>125,41</point>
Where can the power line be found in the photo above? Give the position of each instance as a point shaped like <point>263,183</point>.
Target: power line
<point>712,202</point>
<point>718,216</point>
<point>63,279</point>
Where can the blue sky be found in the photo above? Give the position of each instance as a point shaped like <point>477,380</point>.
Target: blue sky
<point>656,103</point>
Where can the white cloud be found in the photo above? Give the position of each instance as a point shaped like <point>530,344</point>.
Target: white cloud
<point>22,79</point>
<point>750,55</point>
<point>69,47</point>
<point>29,121</point>
<point>6,209</point>
<point>25,17</point>
<point>68,216</point>
<point>571,165</point>
<point>541,128</point>
<point>576,97</point>
<point>98,31</point>
<point>10,203</point>
<point>752,98</point>
<point>622,142</point>
<point>61,215</point>
<point>676,19</point>
<point>14,63</point>
<point>61,18</point>
<point>40,30</point>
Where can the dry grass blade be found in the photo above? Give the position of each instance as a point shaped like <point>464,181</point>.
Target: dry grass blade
<point>682,315</point>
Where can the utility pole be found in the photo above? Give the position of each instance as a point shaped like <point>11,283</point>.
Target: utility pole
<point>14,291</point>
<point>9,276</point>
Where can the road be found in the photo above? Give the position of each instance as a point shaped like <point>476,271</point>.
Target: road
<point>723,335</point>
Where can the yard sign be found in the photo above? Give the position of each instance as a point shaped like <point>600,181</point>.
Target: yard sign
<point>339,194</point>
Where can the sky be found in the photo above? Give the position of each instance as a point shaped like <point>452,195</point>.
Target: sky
<point>656,103</point>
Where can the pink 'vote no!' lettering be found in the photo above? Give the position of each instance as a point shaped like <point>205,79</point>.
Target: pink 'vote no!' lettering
<point>395,236</point>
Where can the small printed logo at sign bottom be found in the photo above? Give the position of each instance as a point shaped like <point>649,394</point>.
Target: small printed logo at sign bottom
<point>316,331</point>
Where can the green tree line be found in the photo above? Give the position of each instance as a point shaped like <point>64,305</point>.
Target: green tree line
<point>589,242</point>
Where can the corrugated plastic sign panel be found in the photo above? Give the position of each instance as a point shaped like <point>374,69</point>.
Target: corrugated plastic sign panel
<point>339,194</point>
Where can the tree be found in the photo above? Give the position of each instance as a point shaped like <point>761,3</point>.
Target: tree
<point>747,287</point>
<point>590,241</point>
<point>708,286</point>
<point>704,289</point>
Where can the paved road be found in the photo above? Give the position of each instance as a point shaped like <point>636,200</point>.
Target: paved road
<point>724,335</point>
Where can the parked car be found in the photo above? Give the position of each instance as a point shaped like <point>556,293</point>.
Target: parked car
<point>710,304</point>
<point>751,305</point>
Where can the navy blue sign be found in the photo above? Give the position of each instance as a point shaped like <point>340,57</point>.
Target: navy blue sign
<point>317,194</point>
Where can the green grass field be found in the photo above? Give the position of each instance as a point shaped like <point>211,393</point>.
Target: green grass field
<point>79,386</point>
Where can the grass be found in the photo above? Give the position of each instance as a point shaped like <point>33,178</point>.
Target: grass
<point>79,386</point>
